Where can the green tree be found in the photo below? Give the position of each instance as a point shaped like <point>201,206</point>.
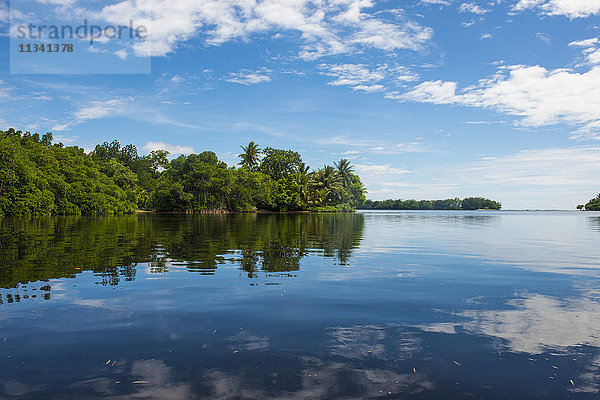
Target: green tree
<point>327,182</point>
<point>279,163</point>
<point>250,157</point>
<point>344,170</point>
<point>594,204</point>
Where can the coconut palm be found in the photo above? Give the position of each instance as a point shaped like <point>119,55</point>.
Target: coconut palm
<point>303,179</point>
<point>326,180</point>
<point>344,170</point>
<point>250,156</point>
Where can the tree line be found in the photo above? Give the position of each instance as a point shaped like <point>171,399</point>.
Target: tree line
<point>469,203</point>
<point>592,205</point>
<point>39,177</point>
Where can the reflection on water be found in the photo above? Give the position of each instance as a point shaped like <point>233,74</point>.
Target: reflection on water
<point>419,305</point>
<point>45,248</point>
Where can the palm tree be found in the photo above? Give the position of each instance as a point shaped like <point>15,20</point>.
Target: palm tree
<point>344,170</point>
<point>303,179</point>
<point>327,183</point>
<point>250,157</point>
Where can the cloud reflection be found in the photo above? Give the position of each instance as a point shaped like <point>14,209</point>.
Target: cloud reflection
<point>535,324</point>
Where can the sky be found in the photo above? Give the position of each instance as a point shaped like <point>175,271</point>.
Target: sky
<point>427,98</point>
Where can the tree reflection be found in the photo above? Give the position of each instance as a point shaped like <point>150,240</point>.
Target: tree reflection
<point>39,249</point>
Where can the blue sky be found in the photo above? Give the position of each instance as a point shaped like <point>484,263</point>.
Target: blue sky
<point>428,99</point>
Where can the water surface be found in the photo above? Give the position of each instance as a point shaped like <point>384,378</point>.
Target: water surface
<point>415,305</point>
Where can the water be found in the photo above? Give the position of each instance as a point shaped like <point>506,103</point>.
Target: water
<point>408,305</point>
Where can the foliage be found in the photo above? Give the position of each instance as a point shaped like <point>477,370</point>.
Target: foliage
<point>470,203</point>
<point>279,164</point>
<point>250,157</point>
<point>479,203</point>
<point>336,208</point>
<point>37,177</point>
<point>593,204</point>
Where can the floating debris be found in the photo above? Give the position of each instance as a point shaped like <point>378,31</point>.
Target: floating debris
<point>113,364</point>
<point>236,351</point>
<point>414,370</point>
<point>555,367</point>
<point>138,382</point>
<point>457,363</point>
<point>108,362</point>
<point>571,380</point>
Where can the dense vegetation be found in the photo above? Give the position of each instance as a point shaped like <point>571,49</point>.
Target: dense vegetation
<point>38,177</point>
<point>592,205</point>
<point>470,203</point>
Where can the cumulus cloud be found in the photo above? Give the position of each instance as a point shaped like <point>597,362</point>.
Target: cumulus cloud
<point>569,8</point>
<point>248,77</point>
<point>590,49</point>
<point>326,27</point>
<point>539,96</point>
<point>171,148</point>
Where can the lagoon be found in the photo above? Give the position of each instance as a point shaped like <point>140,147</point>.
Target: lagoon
<point>377,304</point>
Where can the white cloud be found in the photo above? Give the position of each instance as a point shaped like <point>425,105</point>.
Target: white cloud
<point>549,178</point>
<point>484,36</point>
<point>120,106</point>
<point>361,77</point>
<point>171,148</point>
<point>472,8</point>
<point>544,37</point>
<point>96,110</point>
<point>539,96</point>
<point>369,88</point>
<point>569,8</point>
<point>590,48</point>
<point>4,13</point>
<point>379,171</point>
<point>594,57</point>
<point>584,43</point>
<point>326,27</point>
<point>552,168</point>
<point>437,92</point>
<point>247,77</point>
<point>442,2</point>
<point>122,54</point>
<point>352,74</point>
<point>5,90</point>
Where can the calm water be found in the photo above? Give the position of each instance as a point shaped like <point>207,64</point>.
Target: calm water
<point>415,305</point>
